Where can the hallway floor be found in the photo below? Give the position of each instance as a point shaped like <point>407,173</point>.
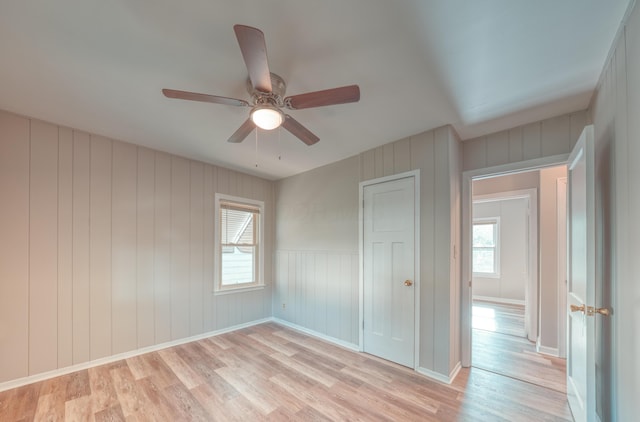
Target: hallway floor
<point>500,346</point>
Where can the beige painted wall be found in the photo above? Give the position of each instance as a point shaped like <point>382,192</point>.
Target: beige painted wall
<point>549,258</point>
<point>545,138</point>
<point>511,284</point>
<point>507,183</point>
<point>615,111</point>
<point>317,275</point>
<point>455,242</point>
<point>318,209</point>
<point>108,247</point>
<point>316,259</point>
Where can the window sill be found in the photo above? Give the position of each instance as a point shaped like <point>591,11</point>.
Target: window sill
<point>231,290</point>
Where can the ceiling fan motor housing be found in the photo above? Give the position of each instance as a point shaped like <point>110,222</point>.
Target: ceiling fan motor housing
<point>275,97</point>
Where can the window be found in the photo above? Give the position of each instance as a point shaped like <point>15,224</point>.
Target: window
<point>239,254</point>
<point>486,247</point>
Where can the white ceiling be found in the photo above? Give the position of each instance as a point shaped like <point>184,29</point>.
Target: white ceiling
<point>481,66</point>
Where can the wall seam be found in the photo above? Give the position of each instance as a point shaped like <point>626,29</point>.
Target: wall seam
<point>57,247</point>
<point>29,255</point>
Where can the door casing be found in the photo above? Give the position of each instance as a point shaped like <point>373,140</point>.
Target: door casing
<point>467,220</point>
<point>415,174</point>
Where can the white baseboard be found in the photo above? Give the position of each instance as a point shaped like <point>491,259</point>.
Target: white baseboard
<point>354,347</point>
<point>551,351</point>
<point>438,376</point>
<point>342,343</point>
<point>114,358</point>
<point>499,300</point>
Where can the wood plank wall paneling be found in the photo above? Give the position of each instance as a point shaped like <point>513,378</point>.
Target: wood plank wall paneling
<point>162,242</point>
<point>65,247</point>
<point>319,290</point>
<point>440,260</point>
<point>196,249</point>
<point>208,225</point>
<point>549,137</point>
<point>455,266</point>
<point>615,108</point>
<point>14,248</point>
<point>101,216</point>
<point>423,157</point>
<point>43,247</point>
<point>179,247</point>
<point>124,247</point>
<point>145,239</point>
<point>108,247</point>
<point>627,196</point>
<point>80,231</point>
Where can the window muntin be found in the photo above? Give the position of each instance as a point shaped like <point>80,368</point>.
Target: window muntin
<point>239,243</point>
<point>486,255</point>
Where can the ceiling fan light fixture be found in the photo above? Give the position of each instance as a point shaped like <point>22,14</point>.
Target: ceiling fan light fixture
<point>267,117</point>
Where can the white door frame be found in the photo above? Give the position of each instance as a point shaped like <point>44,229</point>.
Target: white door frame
<point>531,288</point>
<point>561,200</point>
<point>415,174</point>
<point>467,275</point>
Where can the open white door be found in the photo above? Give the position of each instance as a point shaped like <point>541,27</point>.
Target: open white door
<point>389,270</point>
<point>581,279</point>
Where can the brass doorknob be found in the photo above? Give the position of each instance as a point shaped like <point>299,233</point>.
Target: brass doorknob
<point>575,308</point>
<point>602,311</point>
<point>408,283</point>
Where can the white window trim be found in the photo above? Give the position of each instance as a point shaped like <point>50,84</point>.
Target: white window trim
<point>496,258</point>
<point>258,284</point>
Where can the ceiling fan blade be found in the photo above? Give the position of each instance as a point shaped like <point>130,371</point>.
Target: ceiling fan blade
<point>243,131</point>
<point>254,52</point>
<point>342,95</point>
<point>299,131</point>
<point>194,96</point>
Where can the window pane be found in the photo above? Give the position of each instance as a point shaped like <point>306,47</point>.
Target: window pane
<point>239,266</point>
<point>236,226</point>
<point>483,234</point>
<point>238,238</point>
<point>483,260</point>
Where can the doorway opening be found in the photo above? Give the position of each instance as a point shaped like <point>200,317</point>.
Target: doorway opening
<point>517,286</point>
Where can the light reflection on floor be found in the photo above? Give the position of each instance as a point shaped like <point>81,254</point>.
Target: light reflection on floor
<point>483,318</point>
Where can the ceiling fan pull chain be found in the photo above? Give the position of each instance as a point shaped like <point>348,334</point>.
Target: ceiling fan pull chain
<point>279,147</point>
<point>257,147</point>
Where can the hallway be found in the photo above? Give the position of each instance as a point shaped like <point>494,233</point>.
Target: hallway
<point>500,346</point>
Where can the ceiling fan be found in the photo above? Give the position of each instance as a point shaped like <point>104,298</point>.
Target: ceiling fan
<point>267,93</point>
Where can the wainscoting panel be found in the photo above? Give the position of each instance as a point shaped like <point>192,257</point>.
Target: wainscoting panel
<point>318,290</point>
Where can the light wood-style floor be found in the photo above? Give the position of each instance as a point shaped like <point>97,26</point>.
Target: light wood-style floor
<point>499,318</point>
<point>500,346</point>
<point>269,372</point>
